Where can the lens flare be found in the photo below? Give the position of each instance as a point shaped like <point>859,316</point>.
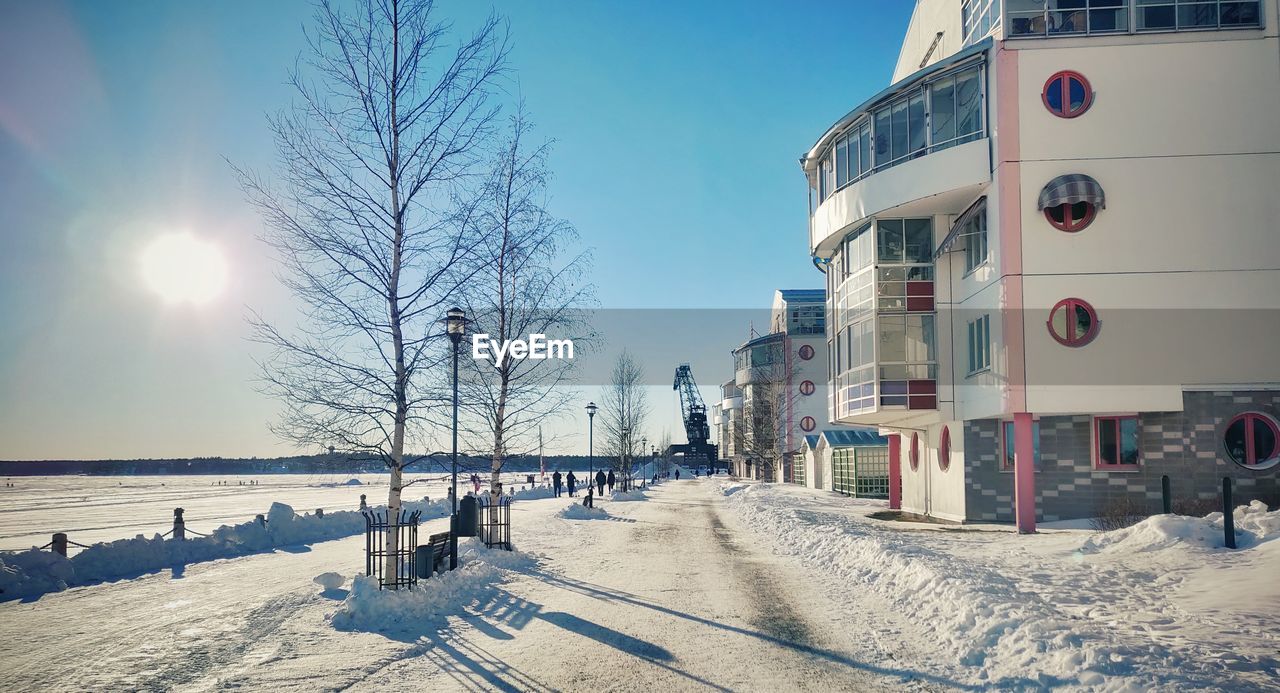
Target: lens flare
<point>183,269</point>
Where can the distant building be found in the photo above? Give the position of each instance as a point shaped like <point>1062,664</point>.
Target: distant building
<point>1052,257</point>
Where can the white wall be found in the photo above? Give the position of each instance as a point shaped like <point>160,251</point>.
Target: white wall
<point>929,17</point>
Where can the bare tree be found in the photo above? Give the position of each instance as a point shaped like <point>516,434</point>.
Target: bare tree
<point>385,127</point>
<point>625,409</point>
<point>761,436</point>
<point>530,284</point>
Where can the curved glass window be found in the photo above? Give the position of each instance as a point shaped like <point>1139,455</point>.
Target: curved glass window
<point>1252,439</point>
<point>1073,323</point>
<point>1071,217</point>
<point>1067,94</point>
<point>944,449</point>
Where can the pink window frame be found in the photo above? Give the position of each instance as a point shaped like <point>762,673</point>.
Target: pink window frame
<point>1004,443</point>
<point>808,423</point>
<point>1068,224</point>
<point>1059,79</point>
<point>1070,304</point>
<point>807,384</point>
<point>1097,443</point>
<point>944,449</point>
<point>914,454</point>
<point>1250,418</point>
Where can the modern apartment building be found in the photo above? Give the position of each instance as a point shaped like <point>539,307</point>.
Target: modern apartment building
<point>1052,254</point>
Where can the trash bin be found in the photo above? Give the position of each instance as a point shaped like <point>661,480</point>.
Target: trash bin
<point>423,561</point>
<point>468,516</point>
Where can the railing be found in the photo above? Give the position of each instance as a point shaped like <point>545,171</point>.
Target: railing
<point>495,522</point>
<point>377,549</point>
<point>1123,16</point>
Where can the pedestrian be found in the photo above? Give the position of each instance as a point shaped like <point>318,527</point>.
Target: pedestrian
<point>572,481</point>
<point>555,482</point>
<point>609,480</point>
<point>600,479</point>
<point>677,474</point>
<point>588,501</point>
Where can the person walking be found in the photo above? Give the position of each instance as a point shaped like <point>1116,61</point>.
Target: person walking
<point>588,501</point>
<point>610,479</point>
<point>677,475</point>
<point>555,482</point>
<point>600,479</point>
<point>572,481</point>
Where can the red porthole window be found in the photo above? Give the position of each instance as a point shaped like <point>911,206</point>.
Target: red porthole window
<point>808,424</point>
<point>1073,323</point>
<point>1071,216</point>
<point>944,449</point>
<point>915,451</point>
<point>1067,94</point>
<point>806,352</point>
<point>807,387</point>
<point>1252,440</point>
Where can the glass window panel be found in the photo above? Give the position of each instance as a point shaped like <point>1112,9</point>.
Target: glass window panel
<point>1198,15</point>
<point>864,155</point>
<point>1107,441</point>
<point>1240,13</point>
<point>1155,18</point>
<point>1083,322</point>
<point>1053,95</point>
<point>968,103</point>
<point>1075,88</point>
<point>943,113</point>
<point>842,164</point>
<point>889,240</point>
<point>1264,441</point>
<point>1234,439</point>
<point>919,240</point>
<point>915,111</point>
<point>900,133</point>
<point>1010,444</point>
<point>1128,441</point>
<point>884,134</point>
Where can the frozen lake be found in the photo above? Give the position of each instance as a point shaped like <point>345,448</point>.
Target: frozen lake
<point>104,508</point>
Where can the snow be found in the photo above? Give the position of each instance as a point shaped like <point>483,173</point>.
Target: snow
<point>578,511</point>
<point>1059,609</point>
<point>635,494</point>
<point>330,580</point>
<point>354,482</point>
<point>36,572</point>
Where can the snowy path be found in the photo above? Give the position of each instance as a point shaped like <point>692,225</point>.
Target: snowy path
<point>667,592</point>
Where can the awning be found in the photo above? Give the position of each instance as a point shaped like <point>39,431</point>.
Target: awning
<point>1070,189</point>
<point>954,234</point>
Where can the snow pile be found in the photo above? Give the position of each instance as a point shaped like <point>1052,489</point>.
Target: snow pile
<point>978,616</point>
<point>578,511</point>
<point>635,494</point>
<point>329,581</point>
<point>354,482</point>
<point>1253,525</point>
<point>35,572</point>
<point>534,493</point>
<point>731,488</point>
<point>368,608</point>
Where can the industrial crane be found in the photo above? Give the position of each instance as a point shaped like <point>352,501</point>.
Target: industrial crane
<point>699,450</point>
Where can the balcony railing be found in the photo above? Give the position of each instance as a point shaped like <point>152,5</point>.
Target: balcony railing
<point>1043,19</point>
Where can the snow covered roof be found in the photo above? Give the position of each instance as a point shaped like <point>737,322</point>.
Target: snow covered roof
<point>854,438</point>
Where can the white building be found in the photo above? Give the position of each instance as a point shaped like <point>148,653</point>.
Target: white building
<point>1053,256</point>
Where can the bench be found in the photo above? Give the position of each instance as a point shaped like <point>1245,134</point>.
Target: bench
<point>432,554</point>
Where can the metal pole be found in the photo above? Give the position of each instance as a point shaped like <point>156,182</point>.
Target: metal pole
<point>591,446</point>
<point>453,519</point>
<point>1228,517</point>
<point>1166,495</point>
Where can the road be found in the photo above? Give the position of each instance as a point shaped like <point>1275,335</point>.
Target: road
<point>665,593</point>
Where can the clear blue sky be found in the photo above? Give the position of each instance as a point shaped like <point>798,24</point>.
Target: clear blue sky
<point>678,128</point>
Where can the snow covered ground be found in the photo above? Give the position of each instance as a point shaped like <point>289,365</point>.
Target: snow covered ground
<point>1157,606</point>
<point>696,584</point>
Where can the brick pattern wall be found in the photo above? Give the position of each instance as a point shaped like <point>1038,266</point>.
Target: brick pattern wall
<point>1185,445</point>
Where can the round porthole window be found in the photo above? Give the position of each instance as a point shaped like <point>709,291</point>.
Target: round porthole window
<point>806,352</point>
<point>1071,217</point>
<point>1252,440</point>
<point>914,454</point>
<point>807,387</point>
<point>808,424</point>
<point>1067,94</point>
<point>944,449</point>
<point>1073,323</point>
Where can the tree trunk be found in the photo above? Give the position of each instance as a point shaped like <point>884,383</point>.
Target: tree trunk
<point>391,568</point>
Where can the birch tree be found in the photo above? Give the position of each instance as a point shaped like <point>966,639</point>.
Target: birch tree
<point>530,284</point>
<point>625,409</point>
<point>389,113</point>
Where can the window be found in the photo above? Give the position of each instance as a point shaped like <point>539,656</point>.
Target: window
<point>1251,440</point>
<point>1116,441</point>
<point>806,352</point>
<point>1008,444</point>
<point>944,449</point>
<point>974,236</point>
<point>1073,323</point>
<point>1071,216</point>
<point>915,451</point>
<point>1036,18</point>
<point>980,344</point>
<point>1169,15</point>
<point>978,18</point>
<point>808,424</point>
<point>807,388</point>
<point>1067,94</point>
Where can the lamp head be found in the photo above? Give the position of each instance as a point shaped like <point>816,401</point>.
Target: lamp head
<point>591,409</point>
<point>456,323</point>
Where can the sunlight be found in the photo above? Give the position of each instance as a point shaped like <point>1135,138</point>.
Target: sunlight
<point>181,268</point>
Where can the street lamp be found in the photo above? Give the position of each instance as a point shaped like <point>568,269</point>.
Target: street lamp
<point>643,443</point>
<point>456,322</point>
<point>591,450</point>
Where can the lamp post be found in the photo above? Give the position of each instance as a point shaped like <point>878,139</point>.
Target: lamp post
<point>456,321</point>
<point>622,457</point>
<point>591,449</point>
<point>644,442</point>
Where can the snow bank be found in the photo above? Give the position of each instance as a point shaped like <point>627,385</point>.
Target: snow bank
<point>578,511</point>
<point>1254,524</point>
<point>534,493</point>
<point>368,608</point>
<point>635,494</point>
<point>329,581</point>
<point>354,482</point>
<point>36,572</point>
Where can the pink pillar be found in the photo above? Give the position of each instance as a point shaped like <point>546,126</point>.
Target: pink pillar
<point>895,472</point>
<point>1024,473</point>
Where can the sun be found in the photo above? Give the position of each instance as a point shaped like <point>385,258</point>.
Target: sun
<point>184,269</point>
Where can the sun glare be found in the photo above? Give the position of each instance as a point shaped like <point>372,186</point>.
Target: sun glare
<point>181,268</point>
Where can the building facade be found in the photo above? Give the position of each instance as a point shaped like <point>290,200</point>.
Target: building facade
<point>1052,255</point>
